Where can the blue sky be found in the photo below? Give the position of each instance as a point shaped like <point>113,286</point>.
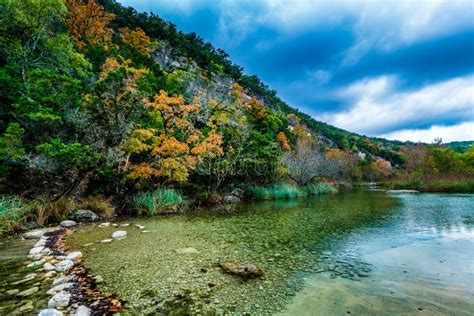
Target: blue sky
<point>397,69</point>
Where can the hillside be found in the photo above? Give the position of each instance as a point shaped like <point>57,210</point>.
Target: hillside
<point>215,62</point>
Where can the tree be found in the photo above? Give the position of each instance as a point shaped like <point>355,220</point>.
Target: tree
<point>172,144</point>
<point>137,39</point>
<point>306,162</point>
<point>87,23</point>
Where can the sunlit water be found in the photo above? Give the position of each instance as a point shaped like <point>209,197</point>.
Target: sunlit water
<point>358,252</point>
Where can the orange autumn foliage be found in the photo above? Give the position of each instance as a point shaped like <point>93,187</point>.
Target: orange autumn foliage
<point>137,39</point>
<point>283,141</point>
<point>172,157</point>
<point>87,23</point>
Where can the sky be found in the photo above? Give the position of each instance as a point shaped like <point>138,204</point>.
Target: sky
<point>396,69</point>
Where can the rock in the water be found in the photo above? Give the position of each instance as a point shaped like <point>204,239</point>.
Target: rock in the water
<point>84,216</point>
<point>35,264</point>
<point>231,199</point>
<point>35,234</point>
<point>40,243</point>
<point>50,312</point>
<point>61,280</point>
<point>60,299</point>
<point>245,270</point>
<point>119,234</point>
<point>74,255</point>
<point>64,265</point>
<point>145,231</point>
<point>13,292</point>
<point>68,223</point>
<point>28,292</point>
<point>103,225</point>
<point>36,250</point>
<point>59,288</point>
<point>187,250</point>
<point>106,241</point>
<point>403,191</point>
<point>28,307</point>
<point>238,193</point>
<point>50,274</point>
<point>124,225</point>
<point>82,311</point>
<point>139,226</point>
<point>48,267</point>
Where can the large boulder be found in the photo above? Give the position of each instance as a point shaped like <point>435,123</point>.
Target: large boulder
<point>245,270</point>
<point>233,197</point>
<point>82,311</point>
<point>84,216</point>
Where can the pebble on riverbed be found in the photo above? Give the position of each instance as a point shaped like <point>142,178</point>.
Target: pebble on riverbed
<point>119,234</point>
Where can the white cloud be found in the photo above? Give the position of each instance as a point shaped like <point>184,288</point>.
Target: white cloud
<point>376,107</point>
<point>459,132</point>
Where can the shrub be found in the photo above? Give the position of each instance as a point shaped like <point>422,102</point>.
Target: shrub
<point>99,205</point>
<point>45,210</point>
<point>13,214</point>
<point>320,188</point>
<point>159,201</point>
<point>277,191</point>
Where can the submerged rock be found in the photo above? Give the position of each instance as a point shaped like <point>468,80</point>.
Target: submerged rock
<point>187,250</point>
<point>103,225</point>
<point>84,216</point>
<point>28,292</point>
<point>67,224</point>
<point>106,241</point>
<point>50,312</point>
<point>119,234</point>
<point>13,292</point>
<point>245,270</point>
<point>28,307</point>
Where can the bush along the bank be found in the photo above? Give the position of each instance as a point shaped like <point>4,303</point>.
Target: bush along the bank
<point>13,213</point>
<point>285,191</point>
<point>158,202</point>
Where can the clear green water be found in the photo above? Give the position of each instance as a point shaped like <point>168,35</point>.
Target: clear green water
<point>358,252</point>
<point>292,241</point>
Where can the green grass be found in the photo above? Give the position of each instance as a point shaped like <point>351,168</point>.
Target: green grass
<point>284,191</point>
<point>320,188</point>
<point>158,202</point>
<point>13,214</point>
<point>435,185</point>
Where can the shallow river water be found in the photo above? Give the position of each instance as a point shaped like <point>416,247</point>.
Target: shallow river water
<point>360,252</point>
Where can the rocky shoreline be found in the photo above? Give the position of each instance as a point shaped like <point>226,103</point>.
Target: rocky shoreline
<point>73,289</point>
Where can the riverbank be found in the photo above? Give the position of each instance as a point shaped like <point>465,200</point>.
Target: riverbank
<point>18,214</point>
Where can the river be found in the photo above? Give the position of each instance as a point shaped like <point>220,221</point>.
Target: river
<point>358,252</point>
